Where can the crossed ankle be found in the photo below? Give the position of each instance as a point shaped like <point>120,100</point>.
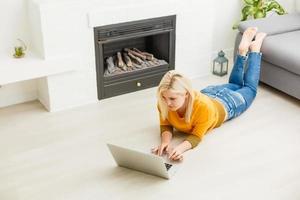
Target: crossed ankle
<point>243,52</point>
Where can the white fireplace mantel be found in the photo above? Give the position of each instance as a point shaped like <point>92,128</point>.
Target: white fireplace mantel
<point>126,12</point>
<point>65,27</point>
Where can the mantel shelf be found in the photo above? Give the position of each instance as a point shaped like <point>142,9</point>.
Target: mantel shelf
<point>32,67</point>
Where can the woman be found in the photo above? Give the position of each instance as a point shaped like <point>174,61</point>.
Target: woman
<point>196,113</point>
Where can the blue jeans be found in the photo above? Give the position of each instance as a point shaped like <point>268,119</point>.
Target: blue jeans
<point>239,93</point>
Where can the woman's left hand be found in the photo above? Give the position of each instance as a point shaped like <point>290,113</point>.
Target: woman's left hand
<point>176,153</point>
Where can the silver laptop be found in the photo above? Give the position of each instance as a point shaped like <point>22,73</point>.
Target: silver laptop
<point>144,162</point>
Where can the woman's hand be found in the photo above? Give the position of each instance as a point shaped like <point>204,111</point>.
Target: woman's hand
<point>176,153</point>
<point>162,148</point>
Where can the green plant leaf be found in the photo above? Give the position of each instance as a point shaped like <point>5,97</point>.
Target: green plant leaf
<point>235,25</point>
<point>280,11</point>
<point>257,3</point>
<point>249,2</point>
<point>259,14</point>
<point>273,5</point>
<point>259,9</point>
<point>246,11</point>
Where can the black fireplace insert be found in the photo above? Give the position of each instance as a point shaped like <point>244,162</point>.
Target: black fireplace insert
<point>134,55</point>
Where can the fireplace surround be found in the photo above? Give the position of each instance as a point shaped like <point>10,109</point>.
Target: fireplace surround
<point>69,37</point>
<point>156,36</point>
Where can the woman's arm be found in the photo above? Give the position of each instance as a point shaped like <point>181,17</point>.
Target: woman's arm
<point>193,139</point>
<point>166,137</point>
<point>184,146</point>
<point>177,152</point>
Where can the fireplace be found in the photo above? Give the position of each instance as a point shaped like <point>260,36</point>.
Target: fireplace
<point>134,55</point>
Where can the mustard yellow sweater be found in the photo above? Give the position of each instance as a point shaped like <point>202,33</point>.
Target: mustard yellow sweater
<point>207,114</point>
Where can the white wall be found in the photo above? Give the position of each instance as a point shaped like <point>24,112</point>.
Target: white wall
<point>13,25</point>
<point>289,5</point>
<point>297,5</point>
<point>226,13</point>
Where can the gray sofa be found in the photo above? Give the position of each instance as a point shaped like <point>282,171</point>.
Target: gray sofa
<point>281,51</point>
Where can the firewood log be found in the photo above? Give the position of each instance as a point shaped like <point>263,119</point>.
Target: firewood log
<point>121,63</point>
<point>156,61</point>
<point>137,50</point>
<point>137,66</point>
<point>149,56</point>
<point>151,63</point>
<point>110,65</point>
<point>127,60</point>
<point>135,53</point>
<point>135,58</point>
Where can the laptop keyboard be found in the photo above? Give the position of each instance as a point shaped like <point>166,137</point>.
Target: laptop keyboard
<point>168,166</point>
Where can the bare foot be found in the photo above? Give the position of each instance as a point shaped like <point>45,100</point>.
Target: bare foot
<point>256,44</point>
<point>247,38</point>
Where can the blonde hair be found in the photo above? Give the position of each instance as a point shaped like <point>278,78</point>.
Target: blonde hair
<point>177,83</point>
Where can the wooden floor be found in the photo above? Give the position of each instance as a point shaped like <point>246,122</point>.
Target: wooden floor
<point>63,156</point>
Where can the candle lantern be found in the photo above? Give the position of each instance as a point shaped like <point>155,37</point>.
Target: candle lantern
<point>220,65</point>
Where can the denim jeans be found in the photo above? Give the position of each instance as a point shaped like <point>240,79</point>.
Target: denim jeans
<point>239,93</point>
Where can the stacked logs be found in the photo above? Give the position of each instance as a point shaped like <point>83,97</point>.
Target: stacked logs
<point>129,60</point>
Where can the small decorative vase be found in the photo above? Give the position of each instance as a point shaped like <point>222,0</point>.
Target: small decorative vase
<point>20,49</point>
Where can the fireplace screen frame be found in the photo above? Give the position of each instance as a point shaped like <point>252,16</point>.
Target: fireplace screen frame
<point>162,28</point>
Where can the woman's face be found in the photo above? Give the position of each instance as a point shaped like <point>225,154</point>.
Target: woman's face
<point>174,100</point>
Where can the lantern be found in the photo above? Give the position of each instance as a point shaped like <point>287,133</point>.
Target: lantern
<point>220,65</point>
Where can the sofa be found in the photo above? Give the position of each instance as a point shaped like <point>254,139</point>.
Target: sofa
<point>280,67</point>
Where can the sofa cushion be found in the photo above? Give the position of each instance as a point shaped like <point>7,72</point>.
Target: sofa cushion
<point>283,50</point>
<point>274,24</point>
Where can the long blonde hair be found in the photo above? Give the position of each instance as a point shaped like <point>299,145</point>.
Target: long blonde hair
<point>178,83</point>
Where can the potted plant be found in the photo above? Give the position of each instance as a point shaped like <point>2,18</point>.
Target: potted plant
<point>255,9</point>
<point>20,49</point>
